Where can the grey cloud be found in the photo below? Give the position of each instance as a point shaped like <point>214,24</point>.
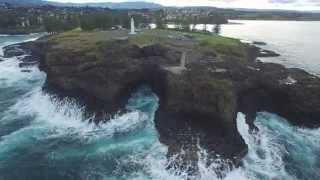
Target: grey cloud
<point>223,0</point>
<point>313,2</point>
<point>283,1</point>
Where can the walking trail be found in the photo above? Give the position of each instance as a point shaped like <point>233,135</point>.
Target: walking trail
<point>179,69</point>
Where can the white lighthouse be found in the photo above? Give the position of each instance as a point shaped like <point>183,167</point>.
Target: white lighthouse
<point>132,32</point>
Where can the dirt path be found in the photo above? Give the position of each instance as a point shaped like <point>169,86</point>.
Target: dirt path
<point>179,69</point>
<point>183,60</point>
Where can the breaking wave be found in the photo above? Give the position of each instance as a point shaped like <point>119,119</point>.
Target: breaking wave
<point>42,137</point>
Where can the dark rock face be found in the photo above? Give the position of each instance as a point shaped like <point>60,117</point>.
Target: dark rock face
<point>255,51</point>
<point>291,93</point>
<point>199,103</point>
<point>28,54</point>
<point>189,99</point>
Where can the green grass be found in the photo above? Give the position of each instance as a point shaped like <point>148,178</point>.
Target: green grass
<point>146,39</point>
<point>220,44</point>
<point>216,39</point>
<point>154,36</point>
<point>203,42</point>
<point>77,40</point>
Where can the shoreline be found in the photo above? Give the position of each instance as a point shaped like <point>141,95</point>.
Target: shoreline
<point>247,97</point>
<point>296,20</point>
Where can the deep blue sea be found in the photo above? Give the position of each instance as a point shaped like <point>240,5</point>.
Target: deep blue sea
<point>43,138</point>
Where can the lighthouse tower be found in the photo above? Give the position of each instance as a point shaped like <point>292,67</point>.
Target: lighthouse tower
<point>132,31</point>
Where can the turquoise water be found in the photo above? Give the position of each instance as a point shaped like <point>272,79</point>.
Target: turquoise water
<point>43,138</point>
<point>279,150</point>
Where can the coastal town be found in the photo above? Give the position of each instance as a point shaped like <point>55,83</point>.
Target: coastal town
<point>46,17</point>
<point>57,19</point>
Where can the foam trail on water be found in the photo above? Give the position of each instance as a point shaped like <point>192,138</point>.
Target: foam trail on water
<point>67,116</point>
<point>11,75</point>
<point>279,150</point>
<point>264,158</point>
<point>59,122</point>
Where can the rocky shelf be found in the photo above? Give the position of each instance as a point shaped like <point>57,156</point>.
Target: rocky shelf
<point>202,82</point>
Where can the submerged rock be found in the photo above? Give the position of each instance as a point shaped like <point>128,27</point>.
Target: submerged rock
<point>268,53</point>
<point>26,71</point>
<point>12,51</point>
<point>28,64</point>
<point>259,43</point>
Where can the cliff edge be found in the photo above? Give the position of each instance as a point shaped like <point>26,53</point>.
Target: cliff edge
<point>202,81</point>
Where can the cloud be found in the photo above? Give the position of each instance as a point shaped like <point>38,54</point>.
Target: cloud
<point>283,1</point>
<point>300,2</point>
<point>260,4</point>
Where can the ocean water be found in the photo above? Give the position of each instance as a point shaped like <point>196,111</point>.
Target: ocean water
<point>296,41</point>
<point>43,138</point>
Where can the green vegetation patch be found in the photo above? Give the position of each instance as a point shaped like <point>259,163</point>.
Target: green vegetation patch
<point>146,39</point>
<point>155,36</point>
<point>78,40</point>
<point>91,42</point>
<point>204,42</point>
<point>220,44</point>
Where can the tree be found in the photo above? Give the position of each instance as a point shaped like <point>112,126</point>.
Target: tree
<point>159,15</point>
<point>194,22</point>
<point>96,20</point>
<point>185,22</point>
<point>124,20</point>
<point>205,20</point>
<point>52,24</point>
<point>217,29</point>
<point>58,24</point>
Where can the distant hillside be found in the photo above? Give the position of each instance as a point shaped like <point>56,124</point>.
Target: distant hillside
<point>127,5</point>
<point>122,5</point>
<point>23,2</point>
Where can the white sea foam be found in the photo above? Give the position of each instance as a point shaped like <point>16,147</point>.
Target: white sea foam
<point>266,153</point>
<point>156,166</point>
<point>67,116</point>
<point>11,74</point>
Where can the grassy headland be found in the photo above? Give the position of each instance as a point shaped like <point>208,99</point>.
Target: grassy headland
<point>84,41</point>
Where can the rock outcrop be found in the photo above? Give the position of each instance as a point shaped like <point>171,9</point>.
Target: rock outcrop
<point>13,50</point>
<point>201,102</point>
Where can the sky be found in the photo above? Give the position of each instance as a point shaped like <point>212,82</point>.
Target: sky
<point>256,4</point>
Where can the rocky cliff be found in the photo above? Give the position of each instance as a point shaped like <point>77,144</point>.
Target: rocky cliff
<point>201,87</point>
